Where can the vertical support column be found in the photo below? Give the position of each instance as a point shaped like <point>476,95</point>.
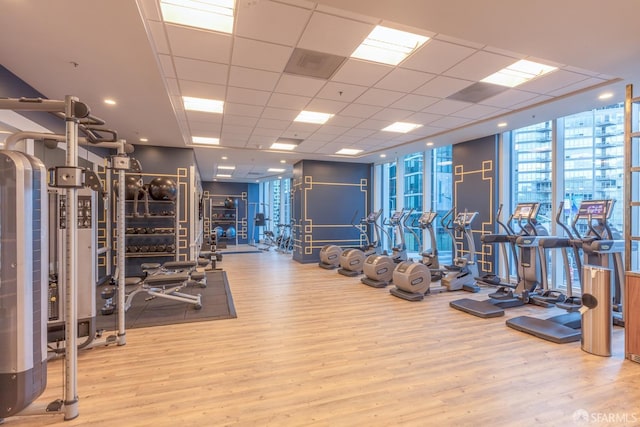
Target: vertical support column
<point>71,270</point>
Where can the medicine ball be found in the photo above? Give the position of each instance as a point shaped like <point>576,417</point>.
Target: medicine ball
<point>162,189</point>
<point>231,232</point>
<point>132,185</point>
<point>229,203</point>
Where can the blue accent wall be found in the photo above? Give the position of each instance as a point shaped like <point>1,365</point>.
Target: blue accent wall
<point>327,197</point>
<point>475,188</point>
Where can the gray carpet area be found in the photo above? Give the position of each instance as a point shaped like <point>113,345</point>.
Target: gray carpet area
<point>217,303</point>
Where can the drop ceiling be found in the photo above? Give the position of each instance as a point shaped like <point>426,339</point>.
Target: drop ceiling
<point>123,50</point>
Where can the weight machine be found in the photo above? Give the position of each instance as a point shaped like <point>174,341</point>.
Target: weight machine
<point>23,367</point>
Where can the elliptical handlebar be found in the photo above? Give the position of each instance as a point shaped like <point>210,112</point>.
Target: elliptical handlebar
<point>562,224</point>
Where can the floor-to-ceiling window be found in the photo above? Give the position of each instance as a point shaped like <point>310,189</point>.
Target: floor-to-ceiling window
<point>413,199</point>
<point>389,204</point>
<point>532,161</point>
<point>588,154</point>
<point>442,198</point>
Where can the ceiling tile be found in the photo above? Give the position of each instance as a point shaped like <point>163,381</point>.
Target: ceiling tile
<point>414,102</point>
<point>577,86</point>
<point>536,100</point>
<point>247,96</point>
<point>360,110</point>
<point>479,65</point>
<point>442,86</point>
<point>341,91</point>
<point>450,122</point>
<point>325,106</point>
<point>379,97</point>
<point>252,79</point>
<point>332,34</point>
<point>446,107</point>
<point>271,21</point>
<point>268,127</point>
<point>331,130</point>
<point>202,90</point>
<point>291,102</point>
<point>236,131</point>
<point>173,88</point>
<point>392,114</point>
<point>279,114</point>
<point>199,116</point>
<point>346,140</point>
<point>509,98</point>
<point>403,80</point>
<point>205,129</point>
<point>201,71</point>
<point>243,109</point>
<point>360,132</point>
<point>192,43</point>
<point>260,55</point>
<point>423,118</point>
<point>358,72</point>
<point>346,121</point>
<point>296,85</point>
<point>376,125</point>
<point>437,56</point>
<point>230,119</point>
<point>552,82</point>
<point>477,112</point>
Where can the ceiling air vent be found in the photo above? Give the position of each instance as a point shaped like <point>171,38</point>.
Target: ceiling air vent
<point>313,64</point>
<point>477,92</point>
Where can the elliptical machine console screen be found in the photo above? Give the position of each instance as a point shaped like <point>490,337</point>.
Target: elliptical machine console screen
<point>466,217</point>
<point>396,216</point>
<point>596,209</point>
<point>427,217</point>
<point>526,210</point>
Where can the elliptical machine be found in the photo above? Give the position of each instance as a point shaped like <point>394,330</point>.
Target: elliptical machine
<point>351,260</point>
<point>462,275</point>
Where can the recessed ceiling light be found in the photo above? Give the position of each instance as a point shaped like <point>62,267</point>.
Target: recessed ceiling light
<point>283,161</point>
<point>229,168</point>
<point>109,101</point>
<point>430,144</point>
<point>313,117</point>
<point>224,158</point>
<point>349,151</point>
<point>275,170</point>
<point>205,140</point>
<point>502,124</point>
<point>388,46</point>
<point>144,140</point>
<point>279,177</point>
<point>401,127</point>
<point>282,146</point>
<point>606,95</point>
<point>202,104</point>
<point>215,15</point>
<point>383,155</point>
<point>518,73</point>
<point>223,175</point>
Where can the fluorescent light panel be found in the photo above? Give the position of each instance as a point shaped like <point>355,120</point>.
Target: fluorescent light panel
<point>229,168</point>
<point>313,117</point>
<point>518,73</point>
<point>203,104</point>
<point>223,175</point>
<point>275,170</point>
<point>349,151</point>
<point>401,127</point>
<point>388,46</point>
<point>215,15</point>
<point>205,140</point>
<point>282,146</point>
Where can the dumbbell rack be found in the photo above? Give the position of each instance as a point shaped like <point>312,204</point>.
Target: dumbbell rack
<point>150,237</point>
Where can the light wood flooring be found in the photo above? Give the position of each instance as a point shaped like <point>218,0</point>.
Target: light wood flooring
<point>313,348</point>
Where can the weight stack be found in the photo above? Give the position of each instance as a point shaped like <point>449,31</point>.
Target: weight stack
<point>23,281</point>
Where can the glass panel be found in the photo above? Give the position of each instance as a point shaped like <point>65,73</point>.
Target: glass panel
<point>442,199</point>
<point>413,196</point>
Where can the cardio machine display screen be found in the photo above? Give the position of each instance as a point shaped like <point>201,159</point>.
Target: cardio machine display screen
<point>466,217</point>
<point>525,210</point>
<point>427,217</point>
<point>396,216</point>
<point>593,208</point>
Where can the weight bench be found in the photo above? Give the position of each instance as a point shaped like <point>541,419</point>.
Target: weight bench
<point>166,281</point>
